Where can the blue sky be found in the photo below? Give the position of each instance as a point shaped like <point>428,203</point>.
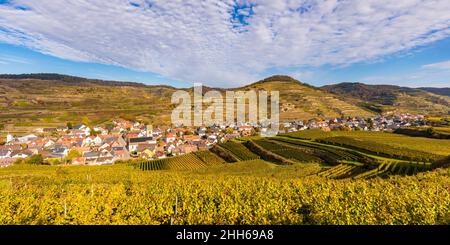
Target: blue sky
<point>229,43</point>
<point>19,60</point>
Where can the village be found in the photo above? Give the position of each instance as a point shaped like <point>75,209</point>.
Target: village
<point>124,140</point>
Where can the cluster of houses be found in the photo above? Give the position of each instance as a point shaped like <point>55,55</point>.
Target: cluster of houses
<point>124,139</point>
<point>81,144</point>
<point>379,123</point>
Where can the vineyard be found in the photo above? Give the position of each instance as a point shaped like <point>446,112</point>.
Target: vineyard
<point>342,171</point>
<point>347,156</point>
<point>286,180</point>
<point>383,170</point>
<point>350,162</point>
<point>209,158</point>
<point>292,153</point>
<point>381,149</point>
<point>331,155</point>
<point>239,151</point>
<point>429,132</point>
<point>118,194</point>
<point>184,162</point>
<point>308,134</point>
<point>429,145</point>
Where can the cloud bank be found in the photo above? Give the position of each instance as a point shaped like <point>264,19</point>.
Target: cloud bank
<point>445,65</point>
<point>222,42</point>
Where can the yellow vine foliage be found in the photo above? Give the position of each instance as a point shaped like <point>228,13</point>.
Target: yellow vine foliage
<point>120,194</point>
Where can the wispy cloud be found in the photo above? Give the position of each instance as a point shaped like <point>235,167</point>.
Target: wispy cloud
<point>8,59</point>
<point>445,65</point>
<point>225,41</point>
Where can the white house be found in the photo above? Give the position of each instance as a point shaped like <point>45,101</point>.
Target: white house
<point>170,138</point>
<point>21,154</point>
<point>91,140</point>
<point>27,138</point>
<point>5,154</point>
<point>9,138</point>
<point>102,131</point>
<point>80,127</point>
<point>133,143</point>
<point>171,147</point>
<point>49,143</point>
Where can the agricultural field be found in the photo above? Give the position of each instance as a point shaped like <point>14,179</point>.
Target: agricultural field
<point>209,158</point>
<point>333,180</point>
<point>239,151</point>
<point>199,159</point>
<point>354,171</point>
<point>247,192</point>
<point>381,149</point>
<point>337,157</point>
<point>342,171</point>
<point>442,129</point>
<point>428,132</point>
<point>440,120</point>
<point>329,153</point>
<point>292,153</point>
<point>434,146</point>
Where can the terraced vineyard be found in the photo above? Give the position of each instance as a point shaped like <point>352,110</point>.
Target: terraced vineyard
<point>329,154</point>
<point>239,151</point>
<point>311,134</point>
<point>434,146</point>
<point>209,157</point>
<point>365,172</point>
<point>355,164</point>
<point>403,168</point>
<point>292,153</point>
<point>381,149</point>
<point>184,162</point>
<point>351,157</point>
<point>342,171</point>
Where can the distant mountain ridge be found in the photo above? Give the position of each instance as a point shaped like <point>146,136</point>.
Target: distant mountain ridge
<point>440,91</point>
<point>391,98</point>
<point>73,79</point>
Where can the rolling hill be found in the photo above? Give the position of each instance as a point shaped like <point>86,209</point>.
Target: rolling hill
<point>45,100</point>
<point>303,101</point>
<point>49,100</point>
<point>389,98</point>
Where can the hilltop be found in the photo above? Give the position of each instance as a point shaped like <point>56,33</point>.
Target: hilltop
<point>393,99</point>
<point>302,101</point>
